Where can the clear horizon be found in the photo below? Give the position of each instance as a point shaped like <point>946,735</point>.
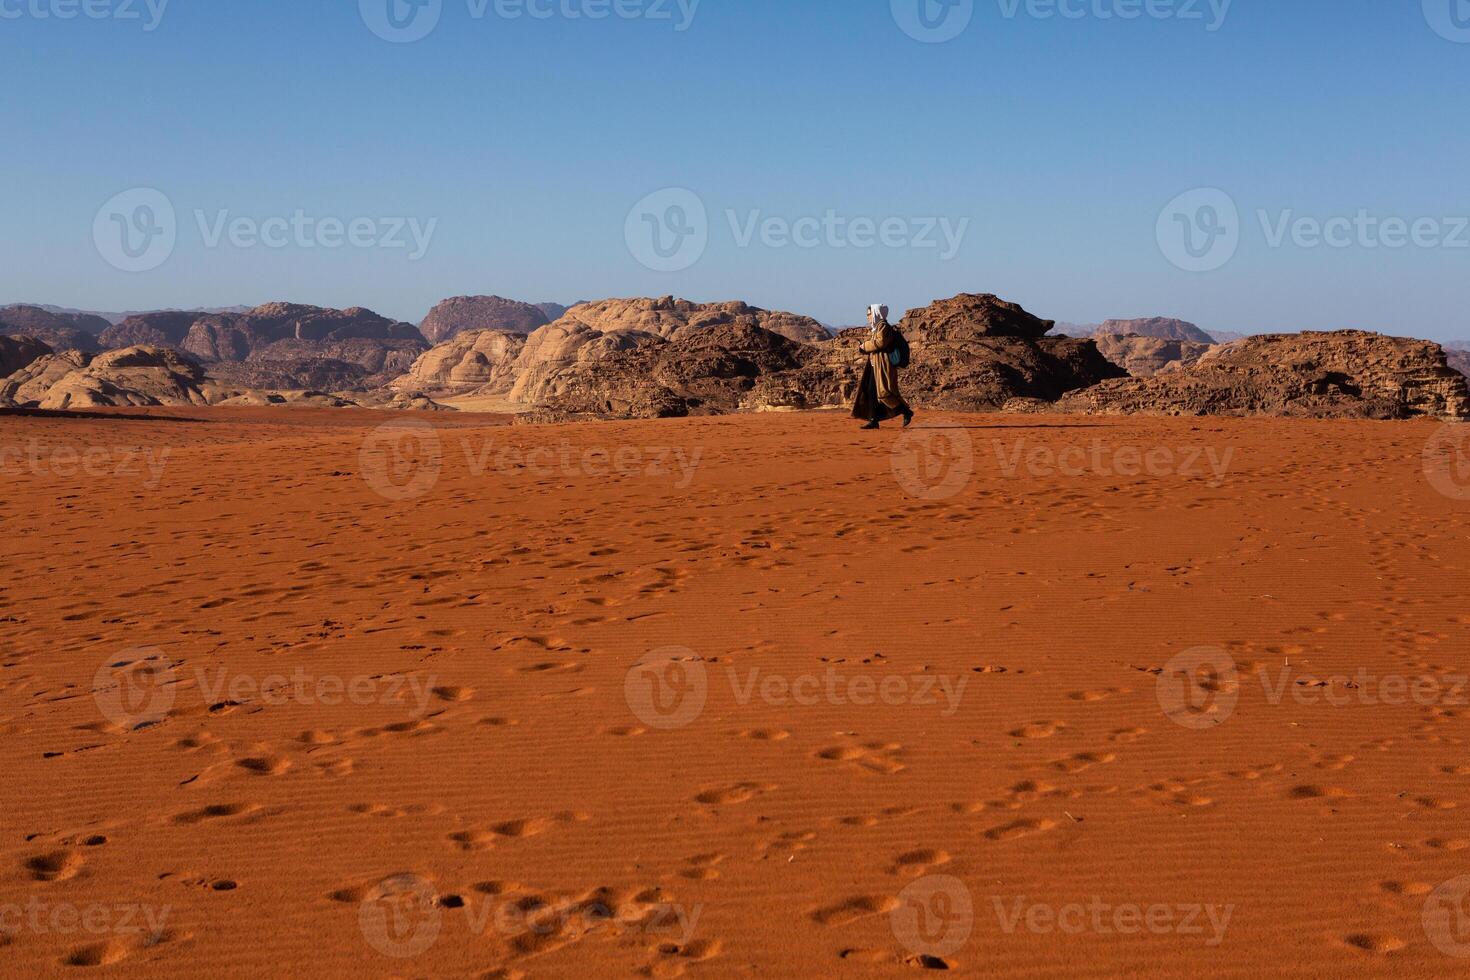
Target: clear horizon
<point>1243,166</point>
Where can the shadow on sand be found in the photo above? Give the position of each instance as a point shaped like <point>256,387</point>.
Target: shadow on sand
<point>53,413</point>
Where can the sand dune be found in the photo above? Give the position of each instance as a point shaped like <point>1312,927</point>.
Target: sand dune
<point>293,693</point>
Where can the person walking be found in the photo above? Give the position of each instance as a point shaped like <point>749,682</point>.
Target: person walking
<point>878,397</point>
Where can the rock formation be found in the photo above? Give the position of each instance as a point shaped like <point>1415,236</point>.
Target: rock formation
<point>553,311</point>
<point>29,385</point>
<point>59,331</point>
<point>166,329</point>
<point>1144,357</point>
<point>1459,356</point>
<point>665,315</point>
<point>468,313</point>
<point>1160,327</point>
<point>1341,374</point>
<point>233,337</point>
<point>470,363</point>
<point>19,352</point>
<point>130,376</point>
<point>970,353</point>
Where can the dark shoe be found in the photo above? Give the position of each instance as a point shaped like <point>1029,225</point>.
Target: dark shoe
<point>871,425</point>
<point>908,417</point>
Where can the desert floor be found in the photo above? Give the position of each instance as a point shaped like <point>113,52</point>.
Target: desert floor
<point>288,693</point>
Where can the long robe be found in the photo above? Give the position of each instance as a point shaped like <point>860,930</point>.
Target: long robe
<point>878,397</point>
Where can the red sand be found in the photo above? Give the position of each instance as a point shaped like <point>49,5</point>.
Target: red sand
<point>874,731</point>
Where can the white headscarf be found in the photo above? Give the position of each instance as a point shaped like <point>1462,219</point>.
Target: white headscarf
<point>879,312</point>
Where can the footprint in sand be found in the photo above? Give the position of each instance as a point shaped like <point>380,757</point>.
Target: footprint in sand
<point>1375,942</point>
<point>1019,828</point>
<point>54,865</point>
<point>453,693</point>
<point>852,909</point>
<point>1098,695</point>
<point>1038,729</point>
<point>916,863</point>
<point>215,811</point>
<point>729,795</point>
<point>1083,761</point>
<point>764,734</point>
<point>265,765</point>
<point>703,867</point>
<point>879,757</point>
<point>118,948</point>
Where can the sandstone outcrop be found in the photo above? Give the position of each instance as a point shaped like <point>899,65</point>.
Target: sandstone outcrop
<point>1159,327</point>
<point>233,337</point>
<point>666,315</point>
<point>1339,374</point>
<point>470,363</point>
<point>165,329</point>
<point>1144,357</point>
<point>19,352</point>
<point>463,314</point>
<point>130,376</point>
<point>29,385</point>
<point>59,331</point>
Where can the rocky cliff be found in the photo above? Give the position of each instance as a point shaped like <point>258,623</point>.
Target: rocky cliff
<point>1144,357</point>
<point>463,314</point>
<point>1340,374</point>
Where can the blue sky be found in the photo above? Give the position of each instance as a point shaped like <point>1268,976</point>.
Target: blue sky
<point>1049,146</point>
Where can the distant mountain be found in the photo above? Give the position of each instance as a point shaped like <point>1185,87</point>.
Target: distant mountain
<point>1158,327</point>
<point>116,318</point>
<point>1075,329</point>
<point>553,311</point>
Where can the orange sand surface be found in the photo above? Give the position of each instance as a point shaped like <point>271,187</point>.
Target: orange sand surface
<point>747,696</point>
